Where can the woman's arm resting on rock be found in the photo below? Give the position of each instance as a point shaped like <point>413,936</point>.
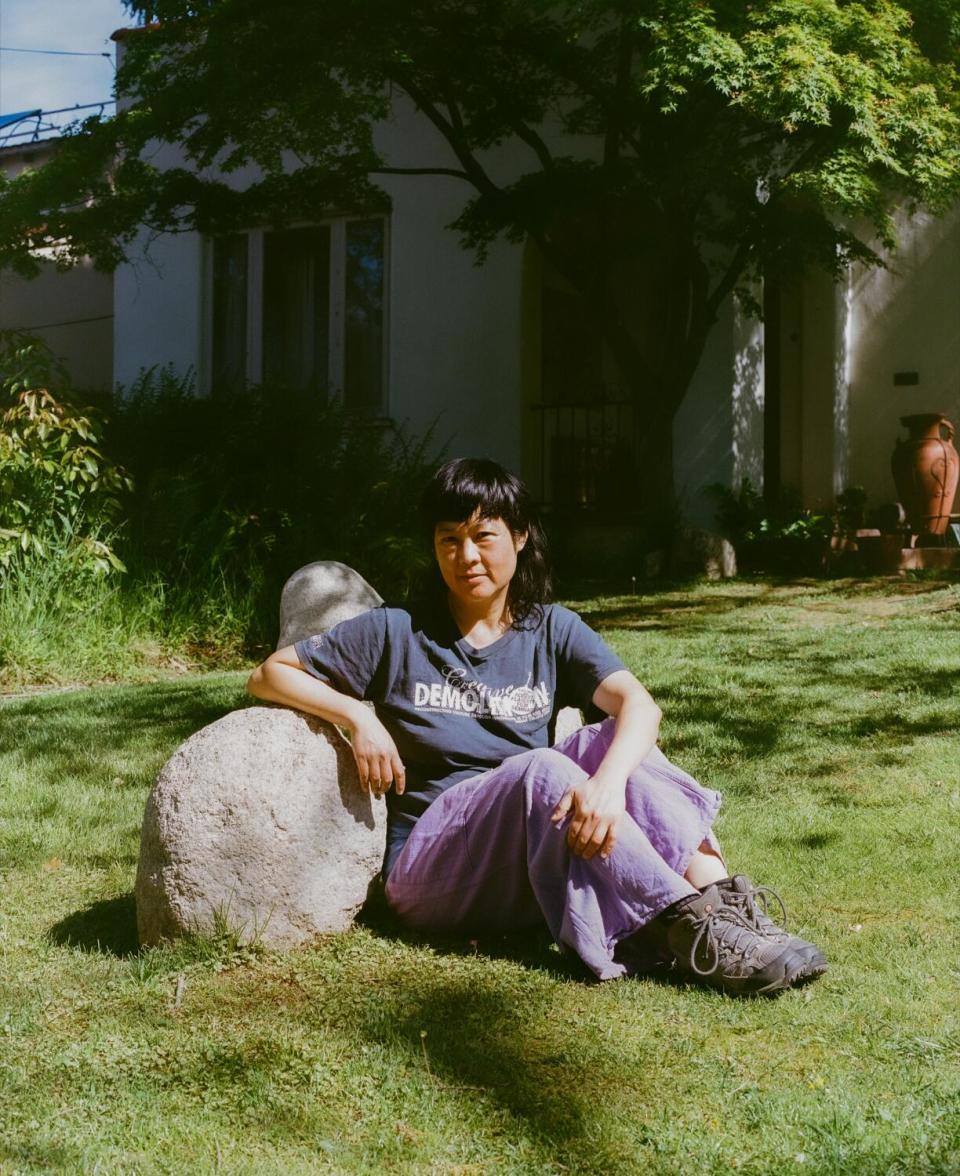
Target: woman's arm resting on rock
<point>598,803</point>
<point>283,679</point>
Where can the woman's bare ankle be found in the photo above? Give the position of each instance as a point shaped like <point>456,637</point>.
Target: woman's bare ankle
<point>704,869</point>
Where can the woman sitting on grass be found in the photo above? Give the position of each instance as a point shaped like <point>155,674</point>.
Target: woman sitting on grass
<point>490,827</point>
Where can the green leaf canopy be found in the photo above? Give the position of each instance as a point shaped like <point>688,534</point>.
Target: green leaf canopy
<point>675,145</point>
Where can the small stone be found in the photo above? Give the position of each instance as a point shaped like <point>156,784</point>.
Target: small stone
<point>696,551</point>
<point>319,596</point>
<point>569,719</point>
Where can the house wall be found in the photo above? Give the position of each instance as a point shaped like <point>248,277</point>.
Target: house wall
<point>159,315</point>
<point>70,310</point>
<point>718,430</point>
<point>454,331</point>
<point>815,437</point>
<point>462,341</point>
<point>903,319</point>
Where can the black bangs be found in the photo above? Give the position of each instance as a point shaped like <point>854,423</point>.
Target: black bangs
<point>469,486</point>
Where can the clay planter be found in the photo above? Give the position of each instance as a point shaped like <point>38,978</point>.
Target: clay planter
<point>881,554</point>
<point>925,469</point>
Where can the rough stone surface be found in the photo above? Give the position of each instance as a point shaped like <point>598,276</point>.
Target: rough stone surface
<point>569,719</point>
<point>259,817</point>
<point>696,551</point>
<point>319,596</point>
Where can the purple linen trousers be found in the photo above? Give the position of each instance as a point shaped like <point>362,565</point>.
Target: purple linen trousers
<point>486,855</point>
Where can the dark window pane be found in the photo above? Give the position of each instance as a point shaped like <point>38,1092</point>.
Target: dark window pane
<point>587,433</point>
<point>571,352</point>
<point>229,366</point>
<point>363,358</point>
<point>296,307</point>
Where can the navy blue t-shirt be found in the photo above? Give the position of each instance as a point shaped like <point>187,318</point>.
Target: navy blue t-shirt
<point>455,711</point>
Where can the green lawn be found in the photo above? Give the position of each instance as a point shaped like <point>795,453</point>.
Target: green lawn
<point>827,713</point>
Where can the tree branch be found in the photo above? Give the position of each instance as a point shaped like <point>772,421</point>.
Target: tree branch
<point>731,275</point>
<point>533,140</point>
<point>419,171</point>
<point>815,151</point>
<point>611,144</point>
<point>453,110</point>
<point>457,140</point>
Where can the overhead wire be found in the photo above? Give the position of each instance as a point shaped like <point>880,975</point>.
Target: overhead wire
<point>55,52</point>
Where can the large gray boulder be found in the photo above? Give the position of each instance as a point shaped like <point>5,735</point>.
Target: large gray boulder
<point>319,596</point>
<point>258,818</point>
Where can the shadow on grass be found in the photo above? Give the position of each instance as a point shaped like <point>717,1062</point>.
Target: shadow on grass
<point>78,733</point>
<point>500,1038</point>
<point>107,927</point>
<point>659,614</point>
<point>662,605</point>
<point>756,732</point>
<point>808,840</point>
<point>531,947</point>
<point>896,726</point>
<point>474,1038</point>
<point>39,1157</point>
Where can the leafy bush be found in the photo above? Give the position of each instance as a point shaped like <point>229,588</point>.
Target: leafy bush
<point>58,492</point>
<point>772,536</point>
<point>104,574</point>
<point>851,508</point>
<point>238,490</point>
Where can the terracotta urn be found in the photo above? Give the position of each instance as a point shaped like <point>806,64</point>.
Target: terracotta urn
<point>925,468</point>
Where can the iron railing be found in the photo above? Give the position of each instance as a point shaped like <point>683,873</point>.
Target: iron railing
<point>587,453</point>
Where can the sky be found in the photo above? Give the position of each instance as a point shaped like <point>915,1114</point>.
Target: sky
<point>29,80</point>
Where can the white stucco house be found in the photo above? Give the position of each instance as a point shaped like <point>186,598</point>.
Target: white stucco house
<point>71,310</point>
<point>392,314</point>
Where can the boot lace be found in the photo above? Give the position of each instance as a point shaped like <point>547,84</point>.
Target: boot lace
<point>722,929</point>
<point>754,906</point>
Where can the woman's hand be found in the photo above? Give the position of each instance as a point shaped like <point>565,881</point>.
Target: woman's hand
<point>597,806</point>
<point>598,803</point>
<point>376,755</point>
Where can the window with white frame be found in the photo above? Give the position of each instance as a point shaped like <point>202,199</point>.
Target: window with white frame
<point>302,308</point>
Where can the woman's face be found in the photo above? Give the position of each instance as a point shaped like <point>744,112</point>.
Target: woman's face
<point>477,558</point>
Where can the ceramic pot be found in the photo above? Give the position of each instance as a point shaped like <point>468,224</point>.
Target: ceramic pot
<point>925,469</point>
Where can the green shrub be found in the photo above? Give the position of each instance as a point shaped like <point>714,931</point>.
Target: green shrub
<point>58,492</point>
<point>238,490</point>
<point>775,536</point>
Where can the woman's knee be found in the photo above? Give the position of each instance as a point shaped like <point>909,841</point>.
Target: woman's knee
<point>549,774</point>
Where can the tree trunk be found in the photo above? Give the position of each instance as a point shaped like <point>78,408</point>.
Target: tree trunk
<point>655,489</point>
<point>648,305</point>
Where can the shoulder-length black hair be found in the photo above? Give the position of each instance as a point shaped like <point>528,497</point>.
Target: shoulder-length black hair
<point>476,486</point>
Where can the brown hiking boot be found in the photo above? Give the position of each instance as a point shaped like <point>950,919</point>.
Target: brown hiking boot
<point>752,902</point>
<point>713,942</point>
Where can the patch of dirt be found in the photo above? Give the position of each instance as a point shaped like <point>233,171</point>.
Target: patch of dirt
<point>39,691</point>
